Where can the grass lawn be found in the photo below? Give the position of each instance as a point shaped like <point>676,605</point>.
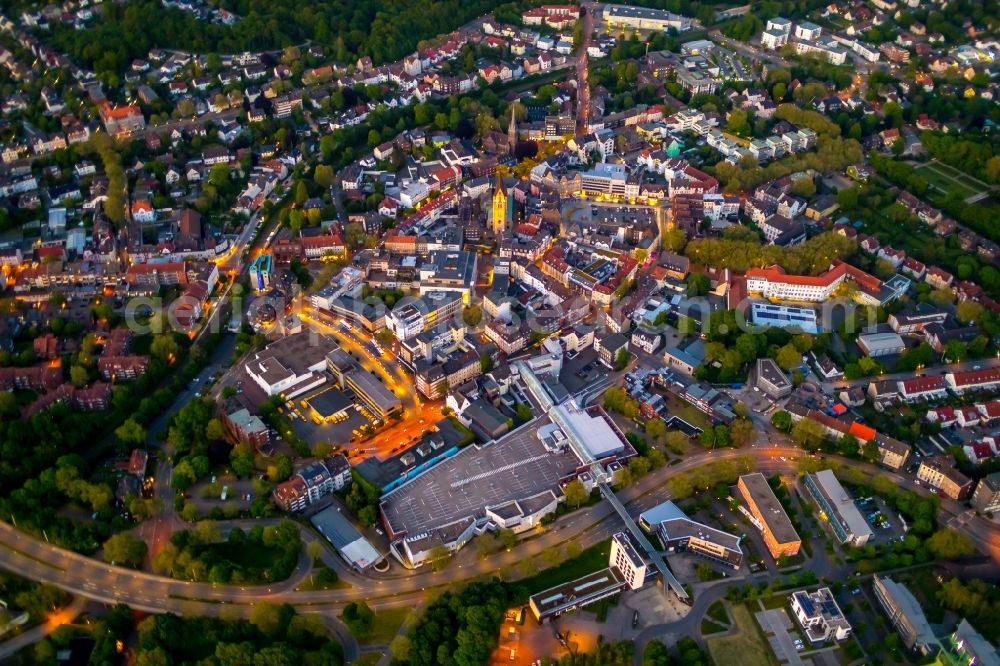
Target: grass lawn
<point>746,647</point>
<point>777,600</point>
<point>257,558</point>
<point>690,413</point>
<point>708,627</point>
<point>944,180</point>
<point>385,625</point>
<point>717,612</point>
<point>368,659</point>
<point>590,560</point>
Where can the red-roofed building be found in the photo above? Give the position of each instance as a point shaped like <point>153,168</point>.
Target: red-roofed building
<point>973,380</point>
<point>945,416</point>
<point>967,417</point>
<point>990,411</point>
<point>977,452</point>
<point>122,121</point>
<point>121,367</point>
<point>150,277</point>
<point>862,432</point>
<point>938,277</point>
<point>931,387</point>
<point>137,462</point>
<point>773,282</point>
<point>46,346</point>
<point>914,268</point>
<point>400,244</point>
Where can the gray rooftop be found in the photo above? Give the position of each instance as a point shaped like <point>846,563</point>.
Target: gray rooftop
<point>770,508</point>
<point>516,467</point>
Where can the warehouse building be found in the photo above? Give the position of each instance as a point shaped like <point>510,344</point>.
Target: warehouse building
<point>622,18</point>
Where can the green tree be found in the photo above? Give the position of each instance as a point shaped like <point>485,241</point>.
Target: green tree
<point>655,429</point>
<point>268,617</point>
<point>163,347</point>
<point>130,433</point>
<point>472,315</point>
<point>808,434</point>
<point>788,357</point>
<point>697,285</point>
<point>969,311</point>
<point>677,442</point>
<point>950,544</point>
<point>125,550</point>
<point>358,617</point>
<point>301,193</point>
<point>576,493</point>
<point>804,187</point>
<point>622,359</point>
<point>78,376</point>
<point>241,460</point>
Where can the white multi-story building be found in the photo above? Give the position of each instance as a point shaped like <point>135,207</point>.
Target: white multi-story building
<point>627,559</point>
<point>820,616</point>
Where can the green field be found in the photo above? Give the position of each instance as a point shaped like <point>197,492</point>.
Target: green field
<point>708,627</point>
<point>746,646</point>
<point>590,560</point>
<point>717,612</point>
<point>945,178</point>
<point>385,625</point>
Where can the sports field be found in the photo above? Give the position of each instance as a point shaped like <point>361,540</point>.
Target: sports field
<point>945,178</point>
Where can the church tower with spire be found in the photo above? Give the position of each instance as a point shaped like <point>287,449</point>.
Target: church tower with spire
<point>503,207</point>
<point>512,132</point>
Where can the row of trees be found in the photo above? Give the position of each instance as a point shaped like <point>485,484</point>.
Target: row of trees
<point>736,251</point>
<point>274,635</point>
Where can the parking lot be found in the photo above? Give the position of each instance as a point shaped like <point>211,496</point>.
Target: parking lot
<point>885,523</point>
<point>339,433</point>
<point>732,67</point>
<point>581,370</point>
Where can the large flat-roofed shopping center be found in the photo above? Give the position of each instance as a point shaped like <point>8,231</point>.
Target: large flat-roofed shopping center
<point>510,483</point>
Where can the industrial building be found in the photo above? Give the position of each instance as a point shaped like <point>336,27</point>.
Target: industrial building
<point>967,647</point>
<point>879,344</point>
<point>770,517</point>
<point>680,533</point>
<point>292,365</point>
<point>356,550</point>
<point>620,18</point>
<point>414,317</point>
<point>837,508</point>
<point>260,272</point>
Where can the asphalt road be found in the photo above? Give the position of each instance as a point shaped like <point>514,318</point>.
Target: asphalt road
<point>103,582</point>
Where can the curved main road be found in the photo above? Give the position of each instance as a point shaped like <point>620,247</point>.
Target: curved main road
<point>83,576</point>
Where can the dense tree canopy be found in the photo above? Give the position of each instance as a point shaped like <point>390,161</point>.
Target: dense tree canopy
<point>385,30</point>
